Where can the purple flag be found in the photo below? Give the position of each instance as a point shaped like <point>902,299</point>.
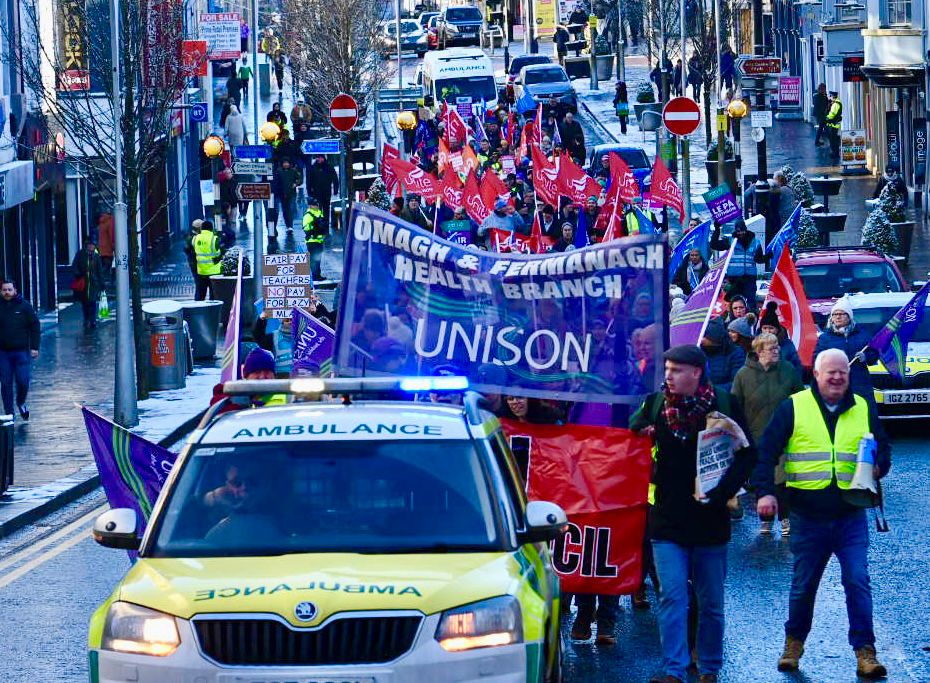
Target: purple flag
<point>891,341</point>
<point>689,325</point>
<point>132,470</point>
<point>313,342</point>
<point>230,367</point>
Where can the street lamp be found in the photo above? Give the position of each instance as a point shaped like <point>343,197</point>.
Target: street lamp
<point>213,146</point>
<point>737,110</point>
<point>269,131</point>
<point>406,121</point>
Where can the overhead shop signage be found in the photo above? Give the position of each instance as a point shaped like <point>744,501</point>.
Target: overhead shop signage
<point>852,69</point>
<point>75,75</point>
<point>221,31</point>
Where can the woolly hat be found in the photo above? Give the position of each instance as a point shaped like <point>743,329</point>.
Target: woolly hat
<point>742,327</point>
<point>770,317</point>
<point>715,331</point>
<point>258,360</point>
<point>842,304</point>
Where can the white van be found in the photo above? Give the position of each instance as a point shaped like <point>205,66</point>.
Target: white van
<point>459,72</point>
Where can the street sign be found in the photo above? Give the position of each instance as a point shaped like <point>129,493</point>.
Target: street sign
<point>758,134</point>
<point>253,192</point>
<point>681,116</point>
<point>758,66</point>
<point>322,146</point>
<point>760,118</point>
<point>252,152</point>
<point>221,31</point>
<point>199,112</point>
<point>343,113</point>
<point>252,168</point>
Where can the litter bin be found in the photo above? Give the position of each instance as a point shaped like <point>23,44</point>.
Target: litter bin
<point>167,344</point>
<point>6,452</point>
<point>203,319</point>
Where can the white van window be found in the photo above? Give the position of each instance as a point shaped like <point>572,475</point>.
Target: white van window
<point>476,87</point>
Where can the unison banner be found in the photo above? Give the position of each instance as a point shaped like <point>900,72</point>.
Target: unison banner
<point>554,326</point>
<point>600,477</point>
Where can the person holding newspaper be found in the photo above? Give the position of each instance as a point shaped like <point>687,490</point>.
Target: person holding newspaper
<point>690,529</point>
<point>820,431</point>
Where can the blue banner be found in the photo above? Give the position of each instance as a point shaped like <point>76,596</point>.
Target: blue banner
<point>584,325</point>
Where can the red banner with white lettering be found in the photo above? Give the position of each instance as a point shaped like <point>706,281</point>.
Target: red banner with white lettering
<point>621,174</point>
<point>415,179</point>
<point>388,176</point>
<point>451,191</point>
<point>600,477</point>
<point>574,183</point>
<point>545,177</point>
<point>475,207</point>
<point>664,189</point>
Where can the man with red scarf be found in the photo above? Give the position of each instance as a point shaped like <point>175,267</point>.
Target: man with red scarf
<point>690,536</point>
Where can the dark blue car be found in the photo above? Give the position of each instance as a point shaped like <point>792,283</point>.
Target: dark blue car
<point>635,157</point>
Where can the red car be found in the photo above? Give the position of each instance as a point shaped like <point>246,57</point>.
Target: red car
<point>830,272</point>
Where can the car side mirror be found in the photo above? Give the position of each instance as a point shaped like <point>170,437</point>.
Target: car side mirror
<point>544,522</point>
<point>117,529</point>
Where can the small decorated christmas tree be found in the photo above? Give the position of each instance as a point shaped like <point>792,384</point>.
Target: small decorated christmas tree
<point>803,191</point>
<point>878,233</point>
<point>788,171</point>
<point>378,195</point>
<point>892,203</point>
<point>808,234</point>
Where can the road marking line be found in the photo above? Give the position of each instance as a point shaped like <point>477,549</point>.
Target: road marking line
<point>20,555</point>
<point>39,561</point>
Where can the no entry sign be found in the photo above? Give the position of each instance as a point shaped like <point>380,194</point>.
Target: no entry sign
<point>343,113</point>
<point>681,116</point>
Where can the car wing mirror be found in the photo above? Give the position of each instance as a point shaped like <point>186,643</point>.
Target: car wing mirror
<point>117,529</point>
<point>544,522</point>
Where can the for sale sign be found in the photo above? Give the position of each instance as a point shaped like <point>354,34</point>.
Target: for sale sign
<point>221,31</point>
<point>286,284</point>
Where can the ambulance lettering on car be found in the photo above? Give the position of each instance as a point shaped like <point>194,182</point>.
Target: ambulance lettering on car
<point>338,540</point>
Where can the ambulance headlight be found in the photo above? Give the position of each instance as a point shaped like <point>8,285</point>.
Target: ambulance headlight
<point>489,623</point>
<point>140,631</point>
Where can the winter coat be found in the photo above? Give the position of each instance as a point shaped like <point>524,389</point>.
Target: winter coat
<point>852,340</point>
<point>681,275</point>
<point>788,351</point>
<point>285,182</point>
<point>676,516</point>
<point>761,390</point>
<point>820,104</point>
<point>723,362</point>
<point>322,181</point>
<point>497,221</point>
<point>235,129</point>
<point>89,267</point>
<point>19,325</point>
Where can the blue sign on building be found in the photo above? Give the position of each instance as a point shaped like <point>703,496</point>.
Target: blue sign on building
<point>322,146</point>
<point>198,112</point>
<point>252,152</point>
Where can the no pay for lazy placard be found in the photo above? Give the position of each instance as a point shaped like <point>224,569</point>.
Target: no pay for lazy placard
<point>286,283</point>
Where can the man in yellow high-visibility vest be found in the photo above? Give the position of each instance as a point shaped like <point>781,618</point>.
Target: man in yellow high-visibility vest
<point>819,431</point>
<point>207,254</point>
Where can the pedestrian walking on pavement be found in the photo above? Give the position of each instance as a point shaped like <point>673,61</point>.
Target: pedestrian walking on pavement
<point>819,432</point>
<point>695,77</point>
<point>20,333</point>
<point>234,88</point>
<point>245,73</point>
<point>833,122</point>
<point>206,247</point>
<point>235,127</point>
<point>727,67</point>
<point>761,385</point>
<point>622,105</point>
<point>279,64</point>
<point>105,242</point>
<point>286,180</point>
<point>87,268</point>
<point>820,105</point>
<point>322,183</point>
<point>690,536</point>
<point>276,115</point>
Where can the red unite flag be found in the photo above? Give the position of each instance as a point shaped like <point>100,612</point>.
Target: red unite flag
<point>600,477</point>
<point>451,191</point>
<point>388,154</point>
<point>545,177</point>
<point>492,189</point>
<point>787,291</point>
<point>475,207</point>
<point>575,183</point>
<point>621,174</point>
<point>664,189</point>
<point>442,157</point>
<point>456,129</point>
<point>415,179</point>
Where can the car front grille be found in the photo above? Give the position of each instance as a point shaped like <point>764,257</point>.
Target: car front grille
<point>267,642</point>
<point>919,381</point>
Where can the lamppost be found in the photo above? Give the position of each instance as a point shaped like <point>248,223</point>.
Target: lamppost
<point>406,122</point>
<point>737,110</point>
<point>125,408</point>
<point>268,133</point>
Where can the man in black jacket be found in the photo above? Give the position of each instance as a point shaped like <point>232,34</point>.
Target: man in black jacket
<point>690,535</point>
<point>322,182</point>
<point>19,345</point>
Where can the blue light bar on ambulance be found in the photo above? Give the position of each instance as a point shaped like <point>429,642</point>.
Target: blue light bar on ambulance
<point>344,385</point>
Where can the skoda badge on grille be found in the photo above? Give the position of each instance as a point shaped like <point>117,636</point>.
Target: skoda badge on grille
<point>305,611</point>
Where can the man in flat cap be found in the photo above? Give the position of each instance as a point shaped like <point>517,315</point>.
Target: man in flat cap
<point>690,533</point>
